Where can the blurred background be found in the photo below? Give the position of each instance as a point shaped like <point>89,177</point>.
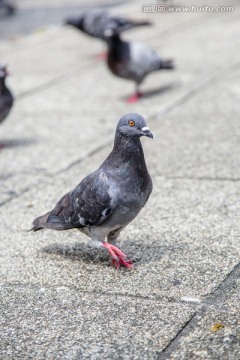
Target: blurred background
<point>31,15</point>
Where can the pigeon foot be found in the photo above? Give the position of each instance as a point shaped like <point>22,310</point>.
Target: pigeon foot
<point>134,98</point>
<point>119,258</point>
<point>102,56</point>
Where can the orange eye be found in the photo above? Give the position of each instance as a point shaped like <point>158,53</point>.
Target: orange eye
<point>131,123</point>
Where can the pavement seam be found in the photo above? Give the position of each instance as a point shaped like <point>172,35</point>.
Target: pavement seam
<point>204,85</point>
<point>207,83</point>
<point>198,178</point>
<point>78,161</point>
<point>156,299</point>
<point>218,293</point>
<point>62,77</point>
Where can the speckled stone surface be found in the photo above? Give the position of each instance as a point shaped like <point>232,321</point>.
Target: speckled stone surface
<point>60,298</point>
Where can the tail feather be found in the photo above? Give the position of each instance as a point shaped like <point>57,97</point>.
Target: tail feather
<point>167,64</point>
<point>142,23</point>
<point>122,25</point>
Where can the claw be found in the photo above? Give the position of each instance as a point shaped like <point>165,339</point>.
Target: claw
<point>103,56</point>
<point>119,258</point>
<point>134,98</point>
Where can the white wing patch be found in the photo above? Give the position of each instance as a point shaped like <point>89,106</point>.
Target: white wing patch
<point>81,220</point>
<point>105,212</point>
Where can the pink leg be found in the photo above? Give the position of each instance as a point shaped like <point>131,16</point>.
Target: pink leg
<point>135,97</point>
<point>118,256</point>
<point>102,56</point>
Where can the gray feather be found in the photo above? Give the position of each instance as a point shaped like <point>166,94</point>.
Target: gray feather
<point>6,97</point>
<point>133,60</point>
<point>95,22</point>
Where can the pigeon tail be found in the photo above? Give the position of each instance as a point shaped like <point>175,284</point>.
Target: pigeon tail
<point>166,64</point>
<point>118,257</point>
<point>142,23</point>
<point>75,22</point>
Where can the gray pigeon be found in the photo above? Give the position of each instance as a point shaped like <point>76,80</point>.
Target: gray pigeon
<point>6,97</point>
<point>133,60</point>
<point>95,22</point>
<point>6,8</point>
<point>108,199</point>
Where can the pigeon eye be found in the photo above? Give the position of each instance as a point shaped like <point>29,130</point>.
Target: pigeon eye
<point>131,123</point>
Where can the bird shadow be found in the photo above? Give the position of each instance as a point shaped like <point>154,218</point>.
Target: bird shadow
<point>12,143</point>
<point>158,91</point>
<point>137,252</point>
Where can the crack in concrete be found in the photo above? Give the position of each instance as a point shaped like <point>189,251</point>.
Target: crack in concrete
<point>204,85</point>
<point>199,178</point>
<point>211,301</point>
<point>78,161</point>
<point>178,102</point>
<point>62,77</point>
<point>207,83</point>
<point>156,299</point>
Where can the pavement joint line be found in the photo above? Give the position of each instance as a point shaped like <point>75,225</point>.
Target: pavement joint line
<point>164,354</point>
<point>216,294</point>
<point>204,85</point>
<point>16,196</point>
<point>207,83</point>
<point>62,77</point>
<point>52,175</point>
<point>52,82</point>
<point>155,299</point>
<point>78,161</point>
<point>199,178</point>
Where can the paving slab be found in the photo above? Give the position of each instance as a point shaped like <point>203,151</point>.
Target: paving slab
<point>184,244</point>
<point>62,323</point>
<point>213,331</point>
<point>63,76</point>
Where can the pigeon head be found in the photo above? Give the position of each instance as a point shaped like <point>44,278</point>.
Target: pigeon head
<point>133,125</point>
<point>3,71</point>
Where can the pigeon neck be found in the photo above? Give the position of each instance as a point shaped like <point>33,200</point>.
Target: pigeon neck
<point>114,41</point>
<point>128,148</point>
<point>2,85</point>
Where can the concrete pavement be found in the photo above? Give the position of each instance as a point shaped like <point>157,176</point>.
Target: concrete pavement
<point>60,299</point>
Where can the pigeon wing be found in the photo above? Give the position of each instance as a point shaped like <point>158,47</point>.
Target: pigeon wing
<point>143,60</point>
<point>89,204</point>
<point>95,23</point>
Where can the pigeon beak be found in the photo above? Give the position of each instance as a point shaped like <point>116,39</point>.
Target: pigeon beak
<point>146,132</point>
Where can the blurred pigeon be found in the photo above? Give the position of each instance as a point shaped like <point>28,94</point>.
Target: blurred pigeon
<point>95,22</point>
<point>133,60</point>
<point>6,98</point>
<point>108,199</point>
<point>6,8</point>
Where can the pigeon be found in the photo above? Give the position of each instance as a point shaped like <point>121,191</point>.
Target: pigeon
<point>95,22</point>
<point>6,97</point>
<point>6,8</point>
<point>133,60</point>
<point>108,199</point>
